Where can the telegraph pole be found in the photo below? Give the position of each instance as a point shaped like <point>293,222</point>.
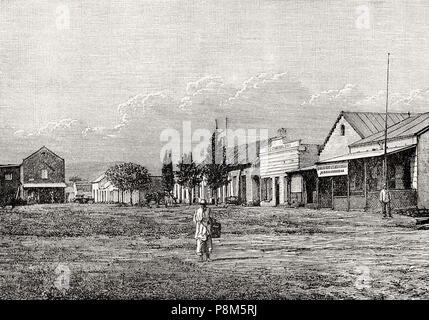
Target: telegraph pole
<point>385,124</point>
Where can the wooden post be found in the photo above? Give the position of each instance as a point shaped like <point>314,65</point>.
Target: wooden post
<point>365,188</point>
<point>332,193</point>
<point>348,189</point>
<point>317,193</point>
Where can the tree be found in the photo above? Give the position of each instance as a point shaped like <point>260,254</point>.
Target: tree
<point>216,175</point>
<point>75,179</point>
<point>129,176</point>
<point>188,175</point>
<point>216,172</point>
<point>168,176</point>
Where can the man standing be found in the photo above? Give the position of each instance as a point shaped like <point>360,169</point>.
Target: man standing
<point>202,219</point>
<point>385,202</point>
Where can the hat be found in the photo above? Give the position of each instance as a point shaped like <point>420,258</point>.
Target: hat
<point>203,201</point>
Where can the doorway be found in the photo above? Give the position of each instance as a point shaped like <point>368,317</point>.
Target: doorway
<point>277,186</point>
<point>325,191</point>
<point>243,198</point>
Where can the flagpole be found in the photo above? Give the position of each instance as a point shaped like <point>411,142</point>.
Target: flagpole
<point>385,124</point>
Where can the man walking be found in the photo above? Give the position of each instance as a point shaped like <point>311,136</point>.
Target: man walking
<point>202,219</point>
<point>385,202</point>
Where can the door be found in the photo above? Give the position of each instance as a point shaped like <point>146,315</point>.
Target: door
<point>277,185</point>
<point>325,190</point>
<point>243,189</point>
<point>310,186</point>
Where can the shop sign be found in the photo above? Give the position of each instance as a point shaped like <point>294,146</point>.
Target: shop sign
<point>333,169</point>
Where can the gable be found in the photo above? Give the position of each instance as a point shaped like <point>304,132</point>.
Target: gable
<point>41,151</point>
<point>337,144</point>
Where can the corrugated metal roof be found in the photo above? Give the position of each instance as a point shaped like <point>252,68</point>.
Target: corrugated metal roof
<point>406,128</point>
<point>368,123</point>
<point>366,154</point>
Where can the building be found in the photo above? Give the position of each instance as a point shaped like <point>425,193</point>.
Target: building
<point>353,179</point>
<point>104,191</point>
<point>70,192</point>
<point>350,127</point>
<point>243,178</point>
<point>281,164</point>
<point>9,183</point>
<point>40,178</point>
<point>244,181</point>
<point>82,189</point>
<point>43,177</point>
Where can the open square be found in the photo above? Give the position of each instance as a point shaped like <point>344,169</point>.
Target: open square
<point>120,252</point>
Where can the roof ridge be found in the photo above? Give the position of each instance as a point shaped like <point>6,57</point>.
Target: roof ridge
<point>373,112</point>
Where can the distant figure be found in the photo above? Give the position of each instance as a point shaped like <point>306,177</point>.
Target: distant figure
<point>385,202</point>
<point>202,219</point>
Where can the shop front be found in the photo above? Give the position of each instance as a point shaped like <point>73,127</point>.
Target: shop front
<point>354,181</point>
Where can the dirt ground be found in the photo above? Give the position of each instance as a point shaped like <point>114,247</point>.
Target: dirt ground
<point>112,252</point>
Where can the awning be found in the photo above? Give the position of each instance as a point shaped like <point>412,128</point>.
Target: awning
<point>45,185</point>
<point>366,154</point>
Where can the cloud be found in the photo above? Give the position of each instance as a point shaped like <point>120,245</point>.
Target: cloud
<point>351,98</point>
<point>414,101</point>
<point>208,93</point>
<point>144,107</point>
<point>345,97</point>
<point>268,101</point>
<point>265,101</point>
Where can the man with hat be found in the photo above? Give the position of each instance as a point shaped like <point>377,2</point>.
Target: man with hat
<point>202,220</point>
<point>385,202</point>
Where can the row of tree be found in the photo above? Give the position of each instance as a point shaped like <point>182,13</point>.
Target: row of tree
<point>189,174</point>
<point>130,176</point>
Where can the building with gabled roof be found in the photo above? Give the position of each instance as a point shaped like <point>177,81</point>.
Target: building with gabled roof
<point>351,127</point>
<point>40,178</point>
<point>353,177</point>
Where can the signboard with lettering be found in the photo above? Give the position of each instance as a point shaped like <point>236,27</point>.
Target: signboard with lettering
<point>333,169</point>
<point>280,144</point>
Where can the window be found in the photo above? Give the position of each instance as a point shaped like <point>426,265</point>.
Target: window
<point>340,186</point>
<point>8,176</point>
<point>44,174</point>
<point>342,130</point>
<point>296,184</point>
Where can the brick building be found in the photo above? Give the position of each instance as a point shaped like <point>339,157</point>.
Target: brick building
<point>40,178</point>
<point>9,183</point>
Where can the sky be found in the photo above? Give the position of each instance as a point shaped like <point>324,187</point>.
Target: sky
<point>100,81</point>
